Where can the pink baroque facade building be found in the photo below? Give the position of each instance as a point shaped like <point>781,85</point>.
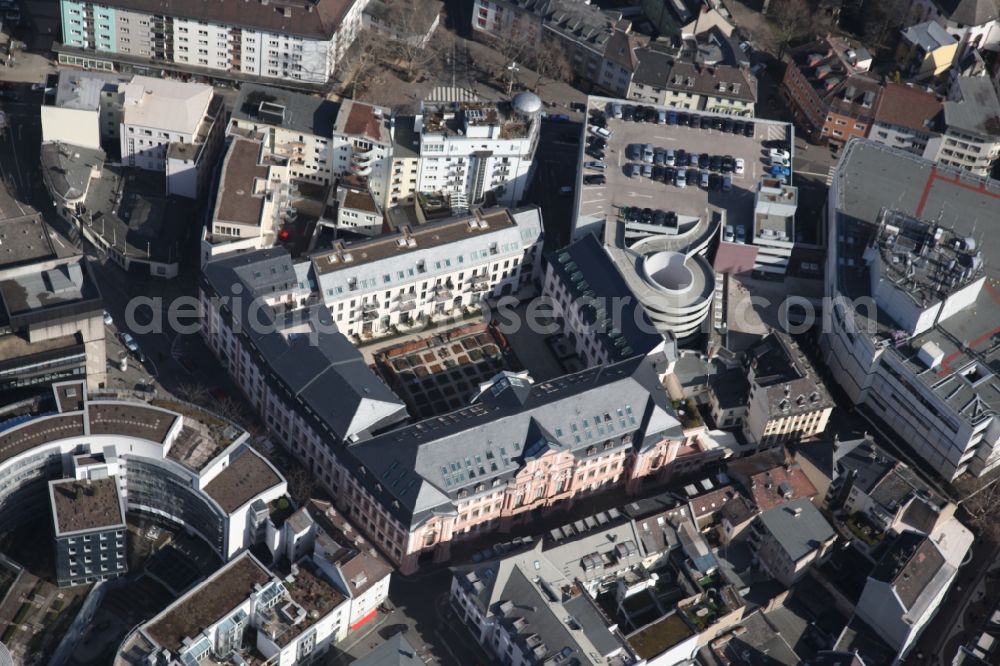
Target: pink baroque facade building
<point>517,451</point>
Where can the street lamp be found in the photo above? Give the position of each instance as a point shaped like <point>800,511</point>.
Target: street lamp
<point>513,69</point>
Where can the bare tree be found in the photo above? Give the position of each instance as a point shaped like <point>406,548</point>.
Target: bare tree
<point>516,47</point>
<point>409,43</point>
<point>361,66</point>
<point>982,509</point>
<point>550,61</point>
<point>793,19</point>
<point>883,18</point>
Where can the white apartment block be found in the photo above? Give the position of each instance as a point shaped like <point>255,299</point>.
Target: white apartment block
<point>322,139</point>
<point>478,148</point>
<point>250,200</point>
<point>171,126</point>
<point>431,271</point>
<point>295,40</point>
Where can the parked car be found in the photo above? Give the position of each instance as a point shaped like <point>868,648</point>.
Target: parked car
<point>714,182</point>
<point>779,154</point>
<point>694,120</point>
<point>715,164</point>
<point>728,164</point>
<point>706,122</point>
<point>682,118</point>
<point>727,183</point>
<point>649,114</point>
<point>595,164</point>
<point>727,125</point>
<point>728,234</point>
<point>704,179</point>
<point>628,112</point>
<point>671,117</point>
<point>130,342</point>
<point>631,169</point>
<point>595,179</point>
<point>616,110</point>
<point>704,160</point>
<point>657,172</point>
<point>669,173</point>
<point>739,166</point>
<point>670,156</point>
<point>659,156</point>
<point>647,170</point>
<point>779,171</point>
<point>741,234</point>
<point>748,128</point>
<point>680,180</point>
<point>108,321</point>
<point>602,132</point>
<point>647,153</point>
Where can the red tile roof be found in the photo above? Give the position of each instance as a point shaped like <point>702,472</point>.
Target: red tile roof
<point>780,484</point>
<point>907,106</point>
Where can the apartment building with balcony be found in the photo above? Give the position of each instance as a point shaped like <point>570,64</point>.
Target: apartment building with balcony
<point>430,271</point>
<point>250,201</point>
<point>288,617</point>
<point>301,41</point>
<point>480,152</point>
<point>88,516</point>
<point>971,136</point>
<point>322,140</point>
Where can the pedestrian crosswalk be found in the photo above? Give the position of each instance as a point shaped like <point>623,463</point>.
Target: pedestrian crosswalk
<point>777,132</point>
<point>830,174</point>
<point>451,94</point>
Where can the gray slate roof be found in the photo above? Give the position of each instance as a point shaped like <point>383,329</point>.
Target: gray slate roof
<point>978,111</point>
<point>421,469</point>
<point>323,371</point>
<point>970,12</point>
<point>589,274</point>
<point>798,534</point>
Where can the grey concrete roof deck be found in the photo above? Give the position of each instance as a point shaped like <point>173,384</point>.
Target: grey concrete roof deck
<point>798,527</point>
<point>24,238</point>
<point>82,90</point>
<point>406,141</point>
<point>69,168</point>
<point>929,35</point>
<point>86,505</point>
<point>247,475</point>
<point>309,114</point>
<point>910,565</point>
<point>978,110</point>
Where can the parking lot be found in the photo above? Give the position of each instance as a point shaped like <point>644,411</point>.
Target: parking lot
<point>605,201</point>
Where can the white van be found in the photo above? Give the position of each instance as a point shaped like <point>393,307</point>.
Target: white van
<point>602,132</point>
